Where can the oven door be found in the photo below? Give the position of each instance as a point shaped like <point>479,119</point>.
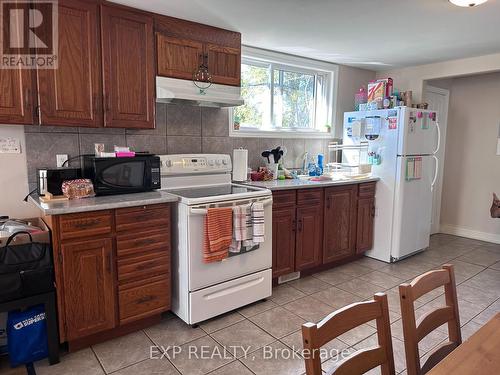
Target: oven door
<point>202,275</point>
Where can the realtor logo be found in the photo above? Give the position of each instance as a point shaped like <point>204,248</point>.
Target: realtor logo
<point>29,35</point>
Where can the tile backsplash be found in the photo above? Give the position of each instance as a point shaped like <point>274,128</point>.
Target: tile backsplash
<point>179,129</point>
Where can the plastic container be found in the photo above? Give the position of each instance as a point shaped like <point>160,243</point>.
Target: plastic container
<point>361,97</point>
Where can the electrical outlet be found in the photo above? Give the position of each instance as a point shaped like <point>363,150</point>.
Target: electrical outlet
<point>61,159</point>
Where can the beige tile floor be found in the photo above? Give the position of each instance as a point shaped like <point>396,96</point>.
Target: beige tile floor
<point>274,325</point>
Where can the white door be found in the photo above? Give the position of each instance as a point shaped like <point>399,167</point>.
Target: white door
<point>438,100</point>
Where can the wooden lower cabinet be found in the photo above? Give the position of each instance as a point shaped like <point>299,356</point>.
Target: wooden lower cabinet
<point>340,222</point>
<point>89,276</point>
<point>283,240</point>
<point>321,226</point>
<point>309,241</point>
<point>108,276</point>
<point>366,215</point>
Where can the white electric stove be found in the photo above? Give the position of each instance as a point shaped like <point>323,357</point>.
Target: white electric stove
<point>202,291</point>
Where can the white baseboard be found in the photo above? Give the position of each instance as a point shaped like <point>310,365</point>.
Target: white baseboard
<point>470,233</point>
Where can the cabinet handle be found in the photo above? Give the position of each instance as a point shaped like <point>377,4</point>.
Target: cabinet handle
<point>294,225</point>
<point>27,99</point>
<point>300,225</point>
<point>109,263</point>
<point>373,211</point>
<point>108,106</point>
<point>87,224</point>
<point>328,202</point>
<point>145,299</point>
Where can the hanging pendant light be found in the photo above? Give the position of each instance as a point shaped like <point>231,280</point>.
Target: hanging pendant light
<point>201,76</point>
<point>467,3</point>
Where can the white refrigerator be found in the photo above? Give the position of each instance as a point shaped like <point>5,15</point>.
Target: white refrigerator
<point>404,141</point>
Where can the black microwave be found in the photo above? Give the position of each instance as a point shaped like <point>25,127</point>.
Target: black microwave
<point>122,175</point>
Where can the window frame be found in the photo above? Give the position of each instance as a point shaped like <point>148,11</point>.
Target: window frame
<point>291,63</point>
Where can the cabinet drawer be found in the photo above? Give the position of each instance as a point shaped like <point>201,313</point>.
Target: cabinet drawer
<point>308,196</point>
<point>367,190</point>
<point>284,198</point>
<point>143,218</point>
<point>144,300</point>
<point>88,224</point>
<point>133,244</point>
<point>144,266</point>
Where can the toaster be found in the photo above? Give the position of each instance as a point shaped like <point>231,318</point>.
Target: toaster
<point>49,180</point>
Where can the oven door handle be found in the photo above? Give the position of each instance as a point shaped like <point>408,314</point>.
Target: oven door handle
<point>203,211</point>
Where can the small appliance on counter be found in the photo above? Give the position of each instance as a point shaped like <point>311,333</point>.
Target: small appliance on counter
<point>122,175</point>
<point>50,180</point>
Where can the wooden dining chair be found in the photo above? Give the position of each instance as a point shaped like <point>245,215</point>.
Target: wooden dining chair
<point>315,336</point>
<point>414,333</point>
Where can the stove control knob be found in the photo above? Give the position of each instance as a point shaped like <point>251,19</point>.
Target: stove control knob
<point>168,163</point>
<point>224,162</point>
<point>218,162</point>
<point>211,162</point>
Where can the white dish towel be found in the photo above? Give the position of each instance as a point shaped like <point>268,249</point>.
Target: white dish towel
<point>258,222</point>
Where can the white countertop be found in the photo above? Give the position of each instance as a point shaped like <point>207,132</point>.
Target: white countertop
<point>305,184</point>
<point>102,203</point>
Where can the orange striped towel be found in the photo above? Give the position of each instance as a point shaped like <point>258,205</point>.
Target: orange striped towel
<point>218,234</point>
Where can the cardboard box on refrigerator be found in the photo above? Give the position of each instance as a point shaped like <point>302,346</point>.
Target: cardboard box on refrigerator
<point>42,236</point>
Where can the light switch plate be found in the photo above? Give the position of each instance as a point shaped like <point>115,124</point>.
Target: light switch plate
<point>60,159</point>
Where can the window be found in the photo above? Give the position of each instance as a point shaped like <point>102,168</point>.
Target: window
<point>286,94</point>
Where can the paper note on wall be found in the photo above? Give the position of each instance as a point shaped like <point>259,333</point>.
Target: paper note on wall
<point>10,146</point>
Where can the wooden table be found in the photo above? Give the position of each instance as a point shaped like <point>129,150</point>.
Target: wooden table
<point>480,354</point>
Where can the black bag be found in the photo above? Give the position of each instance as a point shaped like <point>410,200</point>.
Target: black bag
<point>25,270</point>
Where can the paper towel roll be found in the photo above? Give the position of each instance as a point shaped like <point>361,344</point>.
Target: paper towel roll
<point>240,164</point>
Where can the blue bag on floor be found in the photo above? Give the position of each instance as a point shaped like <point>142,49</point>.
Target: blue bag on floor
<point>27,336</point>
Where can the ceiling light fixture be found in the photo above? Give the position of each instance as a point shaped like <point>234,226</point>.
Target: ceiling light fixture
<point>467,3</point>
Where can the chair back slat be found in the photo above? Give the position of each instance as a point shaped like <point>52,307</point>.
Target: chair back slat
<point>414,333</point>
<point>316,335</point>
<point>347,318</point>
<point>434,319</point>
<point>429,281</point>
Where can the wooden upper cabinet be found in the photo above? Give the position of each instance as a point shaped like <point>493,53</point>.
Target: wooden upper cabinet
<point>224,63</point>
<point>128,68</point>
<point>340,221</point>
<point>283,240</point>
<point>16,96</point>
<point>89,289</point>
<point>178,58</point>
<point>72,94</point>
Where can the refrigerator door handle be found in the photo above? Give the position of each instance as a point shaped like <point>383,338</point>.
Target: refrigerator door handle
<point>438,128</point>
<point>435,173</point>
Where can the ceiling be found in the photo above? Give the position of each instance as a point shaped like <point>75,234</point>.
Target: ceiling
<point>371,34</point>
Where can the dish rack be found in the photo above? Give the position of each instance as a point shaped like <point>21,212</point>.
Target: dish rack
<point>348,160</point>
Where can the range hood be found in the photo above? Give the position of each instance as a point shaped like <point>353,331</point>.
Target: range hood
<point>172,90</point>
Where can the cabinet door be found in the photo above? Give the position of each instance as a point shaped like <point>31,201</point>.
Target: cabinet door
<point>366,213</point>
<point>224,63</point>
<point>178,58</point>
<point>309,244</point>
<point>340,222</point>
<point>16,98</point>
<point>128,68</point>
<point>283,241</point>
<point>89,289</point>
<point>72,94</point>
